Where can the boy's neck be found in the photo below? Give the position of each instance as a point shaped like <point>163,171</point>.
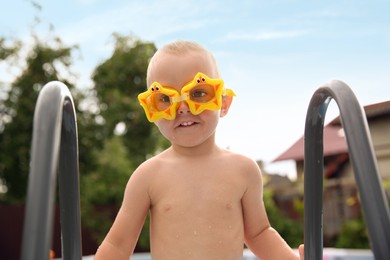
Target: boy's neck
<point>204,149</point>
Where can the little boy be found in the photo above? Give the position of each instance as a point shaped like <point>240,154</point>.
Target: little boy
<point>205,202</point>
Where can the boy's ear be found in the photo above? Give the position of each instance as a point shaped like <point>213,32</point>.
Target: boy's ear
<point>226,102</point>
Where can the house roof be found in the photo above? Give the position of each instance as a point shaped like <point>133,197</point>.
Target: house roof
<point>334,139</point>
<point>334,143</point>
<point>372,111</point>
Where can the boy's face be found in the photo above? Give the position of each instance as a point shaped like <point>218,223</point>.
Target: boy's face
<point>175,71</point>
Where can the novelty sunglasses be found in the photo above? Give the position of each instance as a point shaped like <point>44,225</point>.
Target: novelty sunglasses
<point>202,93</point>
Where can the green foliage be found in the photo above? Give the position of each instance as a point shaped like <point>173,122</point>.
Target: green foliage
<point>8,49</point>
<point>17,111</point>
<point>105,186</point>
<point>143,244</point>
<point>124,138</point>
<point>118,81</point>
<point>289,229</point>
<point>353,235</point>
<point>107,154</point>
<point>114,136</point>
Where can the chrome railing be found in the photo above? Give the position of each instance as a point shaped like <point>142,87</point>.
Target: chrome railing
<point>54,149</point>
<point>374,203</point>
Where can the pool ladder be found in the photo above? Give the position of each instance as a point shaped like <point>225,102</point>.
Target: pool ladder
<point>372,197</point>
<point>55,149</point>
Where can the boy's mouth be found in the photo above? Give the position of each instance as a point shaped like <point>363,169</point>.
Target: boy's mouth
<point>186,124</point>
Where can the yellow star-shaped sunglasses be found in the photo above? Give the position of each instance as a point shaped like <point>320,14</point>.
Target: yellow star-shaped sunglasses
<point>200,94</point>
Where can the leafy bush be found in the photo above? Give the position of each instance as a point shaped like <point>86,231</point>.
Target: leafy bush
<point>353,235</point>
<point>291,230</point>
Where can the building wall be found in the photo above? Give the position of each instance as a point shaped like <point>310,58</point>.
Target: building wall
<point>380,134</point>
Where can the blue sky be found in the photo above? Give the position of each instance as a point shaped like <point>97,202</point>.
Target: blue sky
<point>274,54</point>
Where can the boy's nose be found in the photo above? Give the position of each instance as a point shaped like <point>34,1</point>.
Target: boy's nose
<point>183,108</point>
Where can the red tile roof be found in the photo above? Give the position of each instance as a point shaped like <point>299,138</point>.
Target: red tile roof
<point>334,143</point>
<point>334,140</point>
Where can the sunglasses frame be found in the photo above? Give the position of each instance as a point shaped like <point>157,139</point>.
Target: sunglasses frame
<point>175,97</point>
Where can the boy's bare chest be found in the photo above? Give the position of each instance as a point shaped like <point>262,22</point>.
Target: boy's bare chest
<point>197,191</point>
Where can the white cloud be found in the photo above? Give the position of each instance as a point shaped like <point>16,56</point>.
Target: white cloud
<point>148,20</point>
<point>266,35</point>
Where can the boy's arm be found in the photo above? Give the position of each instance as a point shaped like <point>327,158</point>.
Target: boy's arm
<point>123,235</point>
<point>260,237</point>
<point>270,245</point>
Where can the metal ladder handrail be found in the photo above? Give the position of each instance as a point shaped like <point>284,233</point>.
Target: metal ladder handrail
<point>372,196</point>
<point>54,148</point>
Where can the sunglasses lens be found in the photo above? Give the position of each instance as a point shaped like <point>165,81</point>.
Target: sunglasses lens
<point>202,93</point>
<point>159,102</point>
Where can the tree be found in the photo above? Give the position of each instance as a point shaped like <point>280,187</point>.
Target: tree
<point>118,81</point>
<point>289,229</point>
<point>103,189</point>
<point>44,63</point>
<point>126,137</point>
<point>8,50</point>
<point>355,229</point>
<point>113,139</point>
<point>113,134</point>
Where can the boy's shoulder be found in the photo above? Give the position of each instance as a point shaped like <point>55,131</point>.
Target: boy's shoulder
<point>240,160</point>
<point>151,162</point>
<point>237,156</point>
<point>155,162</point>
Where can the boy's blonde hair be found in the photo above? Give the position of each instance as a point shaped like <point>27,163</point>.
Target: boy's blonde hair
<point>181,47</point>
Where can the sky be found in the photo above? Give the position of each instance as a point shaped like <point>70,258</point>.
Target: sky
<point>273,54</point>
